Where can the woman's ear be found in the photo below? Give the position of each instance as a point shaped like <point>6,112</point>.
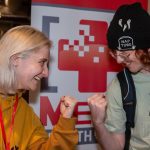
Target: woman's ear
<point>14,60</point>
<point>149,50</point>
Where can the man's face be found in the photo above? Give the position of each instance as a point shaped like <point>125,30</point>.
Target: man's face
<point>128,59</point>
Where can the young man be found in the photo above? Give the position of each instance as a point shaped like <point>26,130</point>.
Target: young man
<point>129,40</point>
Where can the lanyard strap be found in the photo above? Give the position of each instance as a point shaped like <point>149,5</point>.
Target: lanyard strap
<point>7,143</point>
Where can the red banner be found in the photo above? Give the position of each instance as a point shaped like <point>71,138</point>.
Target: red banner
<point>99,4</point>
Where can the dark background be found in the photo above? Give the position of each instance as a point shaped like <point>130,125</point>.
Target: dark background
<point>14,13</point>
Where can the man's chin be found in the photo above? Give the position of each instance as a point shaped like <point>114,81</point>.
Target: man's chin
<point>134,71</point>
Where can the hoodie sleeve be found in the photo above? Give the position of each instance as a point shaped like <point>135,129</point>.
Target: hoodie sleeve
<point>63,136</point>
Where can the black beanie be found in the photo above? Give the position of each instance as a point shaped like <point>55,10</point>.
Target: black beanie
<point>129,28</point>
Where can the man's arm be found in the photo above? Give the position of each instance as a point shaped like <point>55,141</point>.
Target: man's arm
<point>106,139</point>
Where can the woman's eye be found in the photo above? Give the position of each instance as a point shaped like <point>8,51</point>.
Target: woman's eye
<point>42,62</point>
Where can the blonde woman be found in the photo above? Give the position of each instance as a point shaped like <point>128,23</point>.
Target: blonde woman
<point>24,56</point>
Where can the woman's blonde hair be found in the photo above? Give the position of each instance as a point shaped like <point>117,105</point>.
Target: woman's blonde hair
<point>18,40</point>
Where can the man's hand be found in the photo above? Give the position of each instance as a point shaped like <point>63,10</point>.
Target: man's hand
<point>97,104</point>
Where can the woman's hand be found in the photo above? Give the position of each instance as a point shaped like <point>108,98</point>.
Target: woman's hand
<point>67,106</point>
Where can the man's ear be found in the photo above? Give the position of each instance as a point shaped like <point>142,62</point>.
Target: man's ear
<point>14,60</point>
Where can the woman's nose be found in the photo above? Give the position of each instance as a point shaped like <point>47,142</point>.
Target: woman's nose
<point>45,72</point>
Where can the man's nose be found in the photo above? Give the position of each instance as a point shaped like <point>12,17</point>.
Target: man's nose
<point>119,59</point>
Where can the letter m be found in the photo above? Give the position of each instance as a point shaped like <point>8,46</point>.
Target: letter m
<point>46,110</point>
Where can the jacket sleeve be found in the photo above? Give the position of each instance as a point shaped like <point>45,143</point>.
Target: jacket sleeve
<point>64,136</point>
